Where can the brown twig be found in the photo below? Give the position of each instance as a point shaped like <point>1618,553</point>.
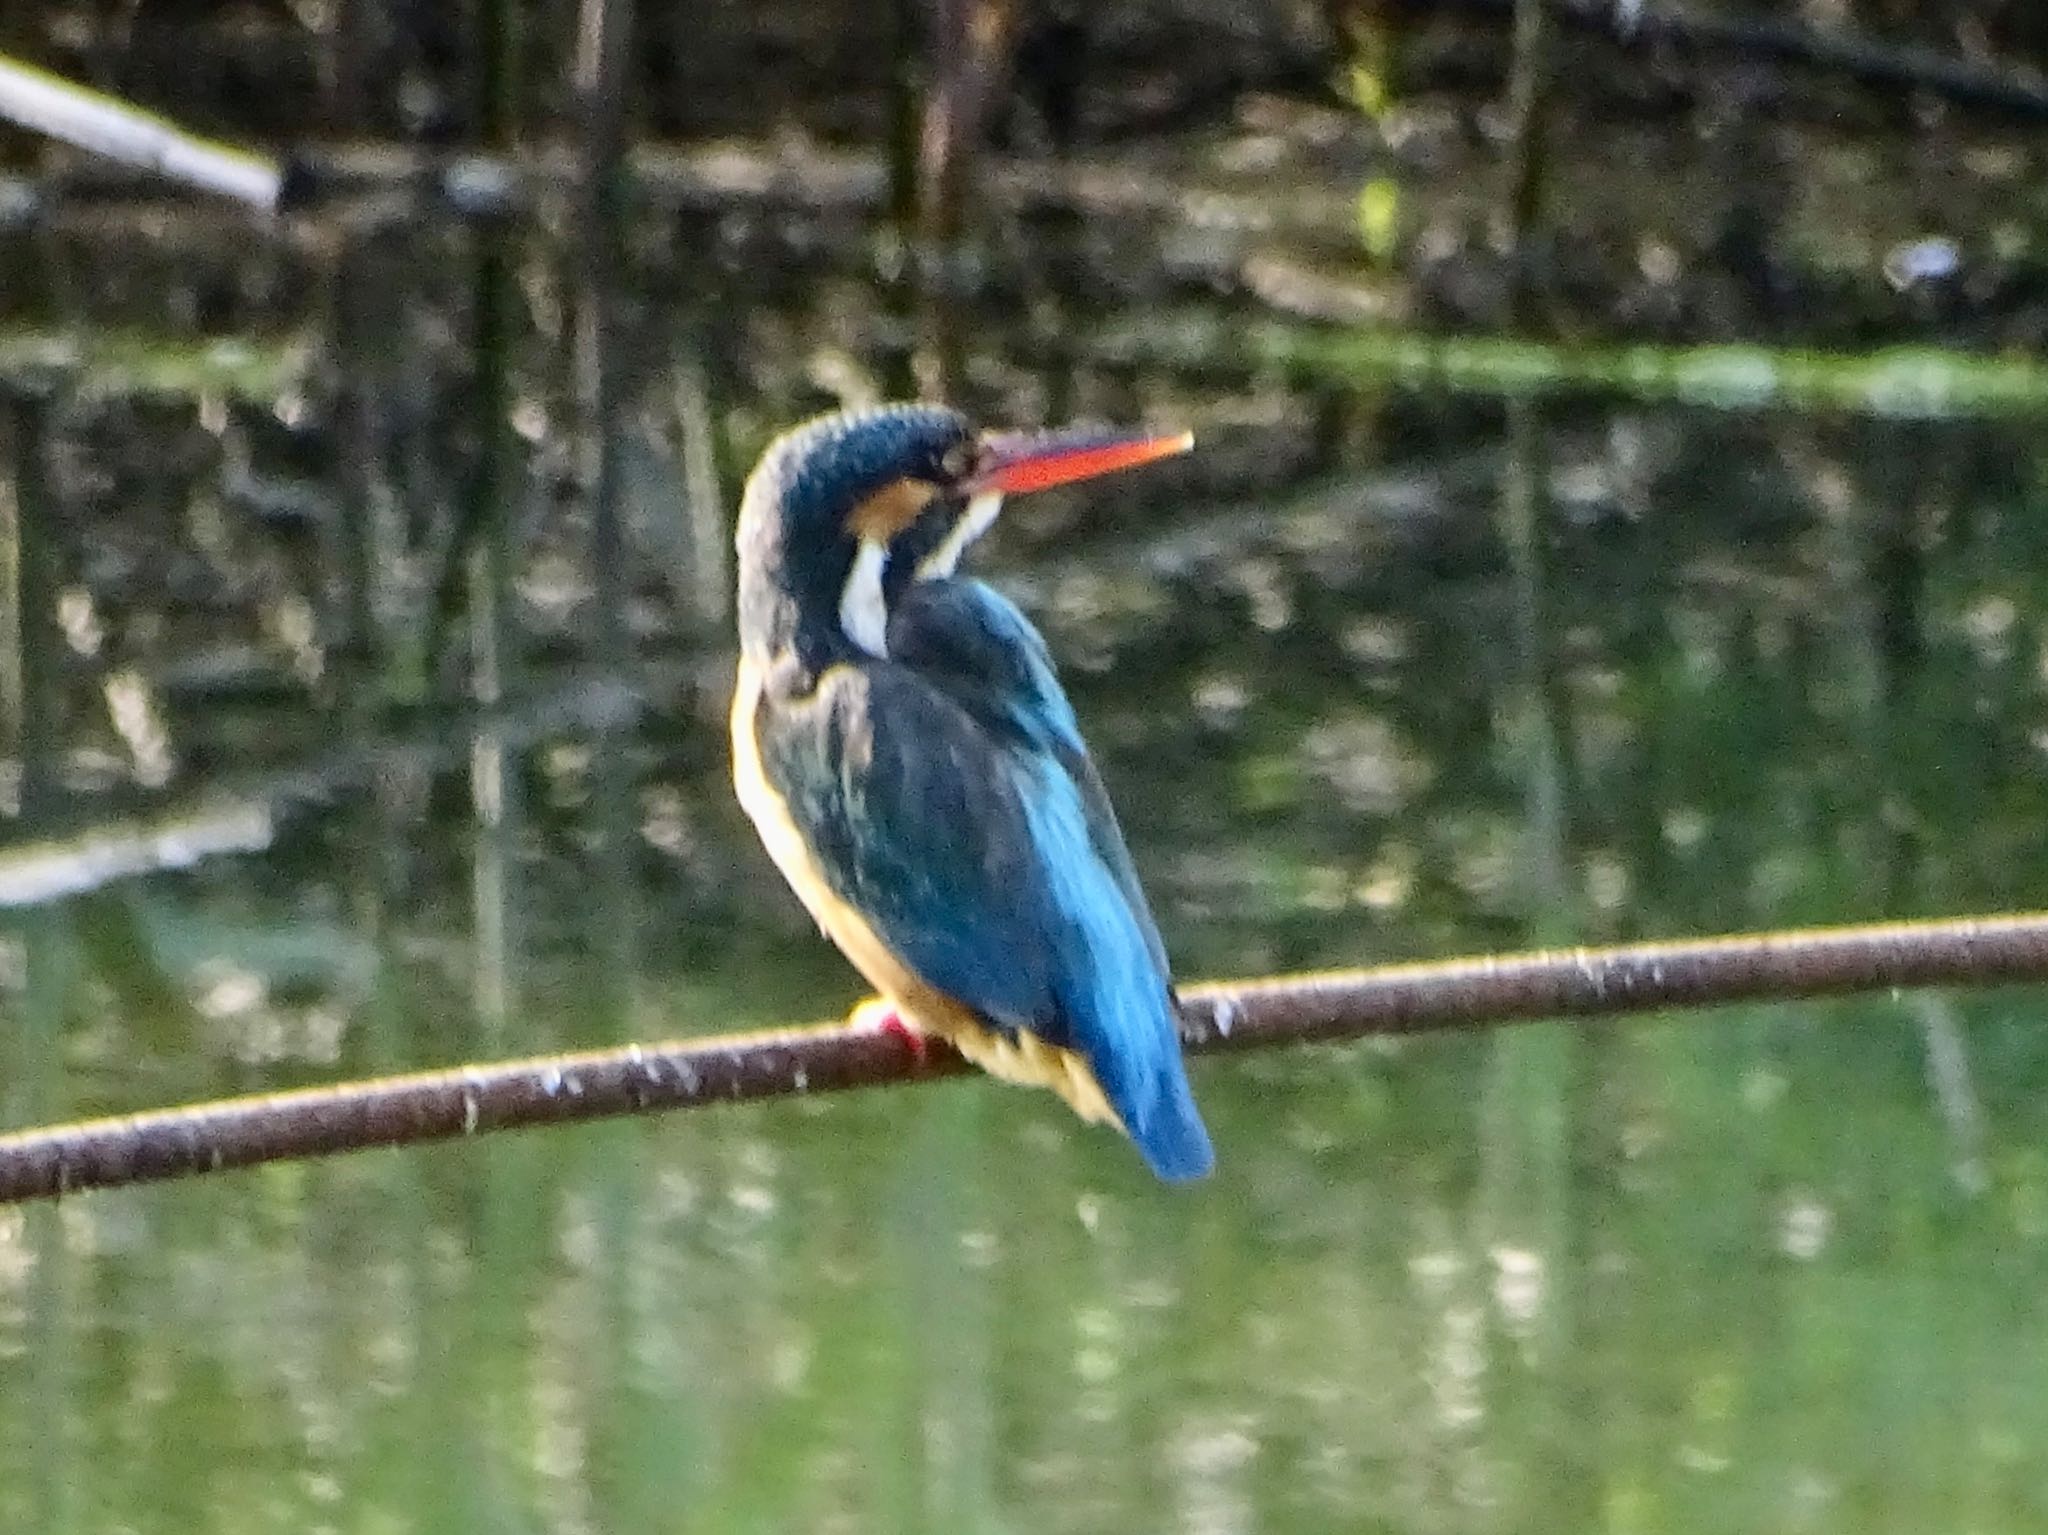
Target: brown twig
<point>1839,50</point>
<point>1244,1015</point>
<point>1857,56</point>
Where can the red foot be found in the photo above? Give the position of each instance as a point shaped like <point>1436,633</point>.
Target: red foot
<point>912,1038</point>
<point>882,1017</point>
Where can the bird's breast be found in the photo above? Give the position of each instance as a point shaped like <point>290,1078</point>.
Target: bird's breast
<point>789,845</point>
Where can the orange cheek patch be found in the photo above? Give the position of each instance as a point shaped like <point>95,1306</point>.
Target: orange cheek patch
<point>890,510</point>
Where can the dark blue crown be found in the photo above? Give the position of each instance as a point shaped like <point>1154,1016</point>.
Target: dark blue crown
<point>828,466</point>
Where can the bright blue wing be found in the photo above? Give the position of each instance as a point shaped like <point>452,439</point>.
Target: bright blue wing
<point>975,857</point>
<point>971,642</point>
<point>914,820</point>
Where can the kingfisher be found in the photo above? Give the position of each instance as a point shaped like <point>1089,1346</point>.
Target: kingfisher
<point>903,746</point>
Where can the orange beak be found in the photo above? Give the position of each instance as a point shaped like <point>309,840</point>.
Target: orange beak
<point>1015,462</point>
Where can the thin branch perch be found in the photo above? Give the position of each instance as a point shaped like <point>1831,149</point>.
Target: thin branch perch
<point>120,130</point>
<point>1242,1015</point>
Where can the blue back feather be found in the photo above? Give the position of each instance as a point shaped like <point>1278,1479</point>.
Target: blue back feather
<point>946,793</point>
<point>1118,1001</point>
<point>1111,971</point>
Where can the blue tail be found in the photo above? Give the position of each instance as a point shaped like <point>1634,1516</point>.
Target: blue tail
<point>1109,983</point>
<point>1126,1031</point>
<point>1167,1127</point>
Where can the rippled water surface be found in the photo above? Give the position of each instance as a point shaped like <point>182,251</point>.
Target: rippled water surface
<point>1371,676</point>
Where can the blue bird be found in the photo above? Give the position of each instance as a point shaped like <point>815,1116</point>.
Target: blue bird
<point>903,746</point>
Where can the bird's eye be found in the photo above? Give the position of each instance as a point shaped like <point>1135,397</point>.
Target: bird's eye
<point>958,460</point>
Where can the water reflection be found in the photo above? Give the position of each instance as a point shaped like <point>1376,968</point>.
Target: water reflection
<point>1674,674</point>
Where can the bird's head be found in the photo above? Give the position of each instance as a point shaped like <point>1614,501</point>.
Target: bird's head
<point>844,512</point>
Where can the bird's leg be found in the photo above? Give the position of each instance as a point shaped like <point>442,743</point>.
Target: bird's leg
<point>881,1016</point>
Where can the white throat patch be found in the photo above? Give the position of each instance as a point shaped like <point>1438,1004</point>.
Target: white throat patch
<point>862,612</point>
<point>976,520</point>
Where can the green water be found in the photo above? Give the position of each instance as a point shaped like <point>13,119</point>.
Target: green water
<point>1775,1268</point>
<point>1375,674</point>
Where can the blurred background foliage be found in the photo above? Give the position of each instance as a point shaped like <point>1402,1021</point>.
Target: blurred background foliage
<point>367,650</point>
